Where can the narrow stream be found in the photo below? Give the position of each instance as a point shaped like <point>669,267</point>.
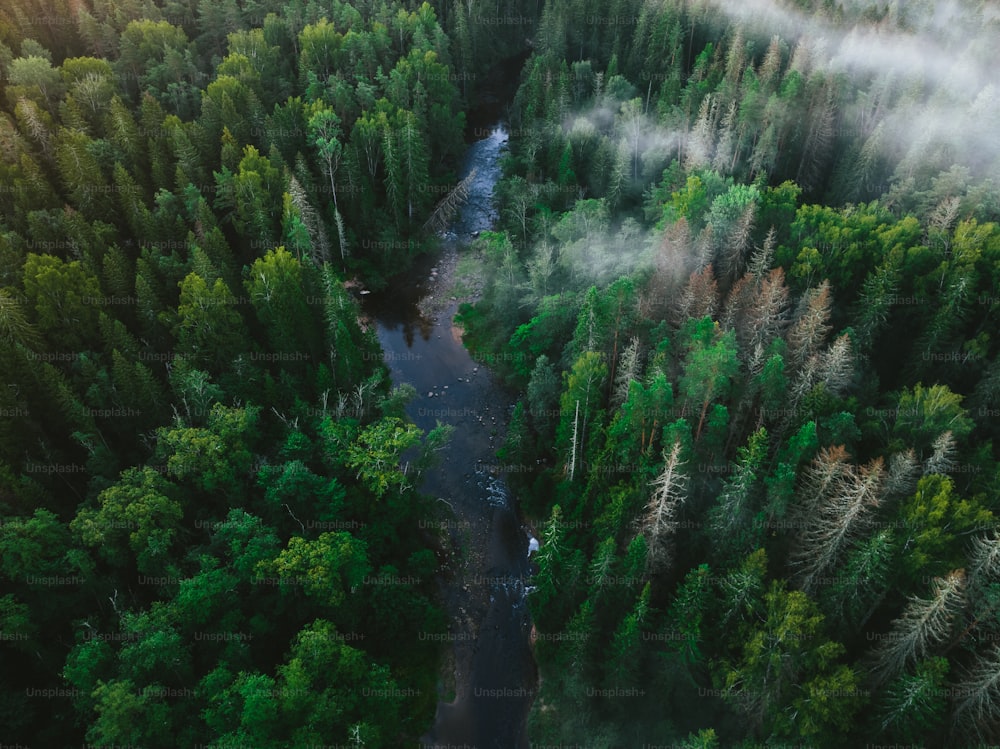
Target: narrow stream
<point>495,674</point>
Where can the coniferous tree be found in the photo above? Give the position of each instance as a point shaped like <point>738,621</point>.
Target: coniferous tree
<point>659,521</point>
<point>923,625</point>
<point>977,712</point>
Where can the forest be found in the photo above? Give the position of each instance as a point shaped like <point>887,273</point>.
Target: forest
<point>745,281</point>
<point>207,526</point>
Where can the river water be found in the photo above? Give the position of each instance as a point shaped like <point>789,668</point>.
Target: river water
<point>495,674</point>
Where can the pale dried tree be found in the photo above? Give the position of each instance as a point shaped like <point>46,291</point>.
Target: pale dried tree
<point>804,381</point>
<point>760,261</point>
<point>701,140</point>
<point>319,243</point>
<point>923,625</point>
<point>977,709</point>
<point>571,467</point>
<point>811,326</point>
<point>984,560</point>
<point>901,479</point>
<point>726,153</point>
<point>629,367</point>
<point>29,113</point>
<point>837,366</point>
<point>658,523</point>
<point>838,501</point>
<point>769,309</point>
<point>672,265</point>
<point>738,242</point>
<point>759,315</point>
<point>15,327</point>
<point>940,221</point>
<point>699,298</point>
<point>942,460</point>
<point>737,306</point>
<point>704,247</point>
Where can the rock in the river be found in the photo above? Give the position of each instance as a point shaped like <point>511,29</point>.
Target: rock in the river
<point>430,395</point>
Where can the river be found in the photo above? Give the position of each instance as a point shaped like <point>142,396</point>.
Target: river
<point>495,676</point>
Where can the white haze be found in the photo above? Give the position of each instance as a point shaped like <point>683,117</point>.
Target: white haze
<point>953,53</point>
<point>944,78</point>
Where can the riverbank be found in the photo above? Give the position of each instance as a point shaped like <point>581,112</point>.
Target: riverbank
<point>456,277</point>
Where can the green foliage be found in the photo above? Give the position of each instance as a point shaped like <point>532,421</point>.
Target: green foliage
<point>375,454</point>
<point>137,519</point>
<point>791,632</point>
<point>329,567</point>
<point>209,328</point>
<point>65,298</point>
<point>914,705</point>
<point>275,286</point>
<point>215,457</point>
<point>925,413</point>
<point>933,520</point>
<point>185,189</point>
<point>709,368</point>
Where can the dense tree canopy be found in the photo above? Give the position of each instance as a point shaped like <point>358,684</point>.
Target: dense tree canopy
<point>185,188</point>
<point>744,276</point>
<point>765,271</point>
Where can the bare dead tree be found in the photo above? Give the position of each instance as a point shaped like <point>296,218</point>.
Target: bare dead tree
<point>446,207</point>
<point>902,476</point>
<point>737,307</point>
<point>319,243</point>
<point>573,441</point>
<point>940,221</point>
<point>726,153</point>
<point>738,242</point>
<point>942,460</point>
<point>984,559</point>
<point>811,325</point>
<point>628,372</point>
<point>699,298</point>
<point>701,141</point>
<point>760,261</point>
<point>704,247</point>
<point>671,265</point>
<point>977,710</point>
<point>766,318</point>
<point>669,493</point>
<point>837,366</point>
<point>838,500</point>
<point>924,624</point>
